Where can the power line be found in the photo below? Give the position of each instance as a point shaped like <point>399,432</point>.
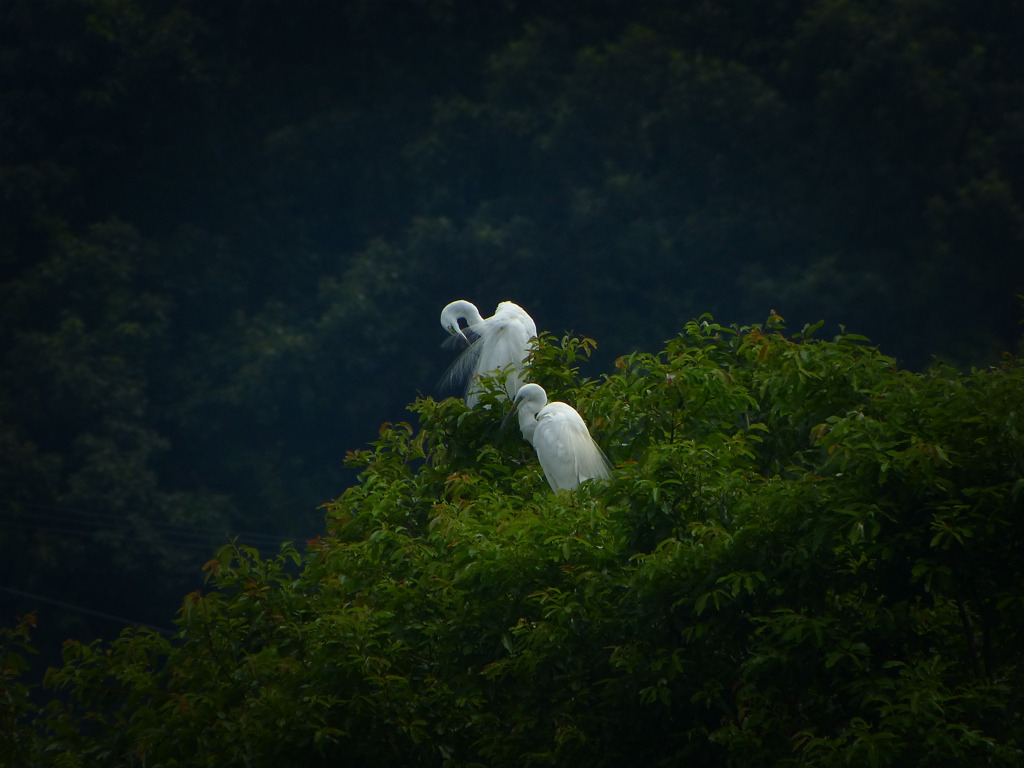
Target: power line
<point>80,609</point>
<point>64,511</point>
<point>91,534</point>
<point>35,520</point>
<point>183,539</point>
<point>171,532</point>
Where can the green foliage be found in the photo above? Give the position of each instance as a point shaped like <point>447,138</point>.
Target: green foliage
<point>226,226</point>
<point>805,557</point>
<point>16,742</point>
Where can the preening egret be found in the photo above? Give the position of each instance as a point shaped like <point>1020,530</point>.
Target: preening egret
<point>568,454</point>
<point>493,343</point>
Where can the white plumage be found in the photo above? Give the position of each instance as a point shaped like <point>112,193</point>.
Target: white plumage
<point>568,454</point>
<point>492,344</point>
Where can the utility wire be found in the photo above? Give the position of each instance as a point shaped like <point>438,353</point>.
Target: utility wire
<point>140,527</point>
<point>140,524</point>
<point>91,534</point>
<point>122,518</point>
<point>172,532</point>
<point>183,540</point>
<point>80,609</point>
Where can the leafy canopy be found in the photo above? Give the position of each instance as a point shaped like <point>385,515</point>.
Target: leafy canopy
<point>804,557</point>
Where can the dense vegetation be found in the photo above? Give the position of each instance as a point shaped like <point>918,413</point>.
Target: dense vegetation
<point>227,228</point>
<point>806,556</point>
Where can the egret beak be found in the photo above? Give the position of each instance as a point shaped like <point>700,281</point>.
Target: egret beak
<point>515,407</point>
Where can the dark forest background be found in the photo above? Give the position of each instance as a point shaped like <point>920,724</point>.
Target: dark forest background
<point>227,230</point>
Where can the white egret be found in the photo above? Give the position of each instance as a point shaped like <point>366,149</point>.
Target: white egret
<point>493,343</point>
<point>568,454</point>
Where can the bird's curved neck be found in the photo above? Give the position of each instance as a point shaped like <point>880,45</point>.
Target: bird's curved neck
<point>530,407</point>
<point>464,310</point>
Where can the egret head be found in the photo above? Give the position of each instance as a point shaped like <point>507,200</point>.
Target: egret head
<point>457,310</point>
<point>528,403</point>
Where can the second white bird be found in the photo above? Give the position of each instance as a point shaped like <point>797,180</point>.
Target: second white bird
<point>568,454</point>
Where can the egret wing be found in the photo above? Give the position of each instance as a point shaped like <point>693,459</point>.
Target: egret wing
<point>459,376</point>
<point>508,343</point>
<point>568,454</point>
<point>508,310</point>
<point>460,341</point>
<point>591,462</point>
<point>455,341</point>
<point>553,441</point>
